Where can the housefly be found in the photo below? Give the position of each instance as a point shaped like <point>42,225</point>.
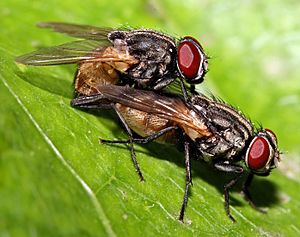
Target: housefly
<point>207,128</point>
<point>143,58</point>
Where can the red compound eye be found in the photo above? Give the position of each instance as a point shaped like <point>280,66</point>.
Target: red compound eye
<point>258,153</point>
<point>190,58</point>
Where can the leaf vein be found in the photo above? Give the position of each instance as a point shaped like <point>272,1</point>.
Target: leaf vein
<point>101,215</point>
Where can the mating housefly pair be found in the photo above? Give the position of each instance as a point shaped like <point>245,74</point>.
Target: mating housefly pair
<point>127,70</point>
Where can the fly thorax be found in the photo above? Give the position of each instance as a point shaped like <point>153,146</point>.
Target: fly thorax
<point>153,52</point>
<point>235,138</point>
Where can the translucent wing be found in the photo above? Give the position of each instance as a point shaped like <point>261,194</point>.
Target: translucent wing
<point>72,52</point>
<point>79,31</point>
<point>171,108</point>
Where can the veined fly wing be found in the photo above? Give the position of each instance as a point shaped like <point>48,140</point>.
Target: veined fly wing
<point>78,31</point>
<point>172,108</point>
<point>72,52</point>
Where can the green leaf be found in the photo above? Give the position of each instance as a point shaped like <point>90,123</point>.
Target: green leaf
<point>57,180</point>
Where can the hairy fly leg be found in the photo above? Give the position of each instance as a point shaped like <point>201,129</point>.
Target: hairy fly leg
<point>186,155</point>
<point>132,151</point>
<point>132,140</point>
<point>230,168</point>
<point>163,82</point>
<point>193,89</point>
<point>99,102</point>
<point>142,140</point>
<point>183,89</point>
<point>247,195</point>
<point>188,179</point>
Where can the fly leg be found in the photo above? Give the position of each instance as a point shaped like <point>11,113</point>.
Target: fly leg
<point>186,155</point>
<point>132,140</point>
<point>142,140</point>
<point>247,195</point>
<point>230,168</point>
<point>183,89</point>
<point>130,135</point>
<point>193,89</point>
<point>99,102</point>
<point>162,82</point>
<point>188,179</point>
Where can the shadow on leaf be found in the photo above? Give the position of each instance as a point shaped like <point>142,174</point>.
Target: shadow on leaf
<point>49,83</point>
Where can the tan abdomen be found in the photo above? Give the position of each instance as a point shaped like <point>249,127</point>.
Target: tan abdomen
<point>145,124</point>
<point>91,74</point>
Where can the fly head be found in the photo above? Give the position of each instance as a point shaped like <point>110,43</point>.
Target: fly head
<point>262,155</point>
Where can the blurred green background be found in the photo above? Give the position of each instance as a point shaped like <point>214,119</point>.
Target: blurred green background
<point>56,180</point>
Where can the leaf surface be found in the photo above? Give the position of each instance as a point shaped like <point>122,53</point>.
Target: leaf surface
<point>57,180</point>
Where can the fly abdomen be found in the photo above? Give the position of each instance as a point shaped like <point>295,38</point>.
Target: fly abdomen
<point>146,124</point>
